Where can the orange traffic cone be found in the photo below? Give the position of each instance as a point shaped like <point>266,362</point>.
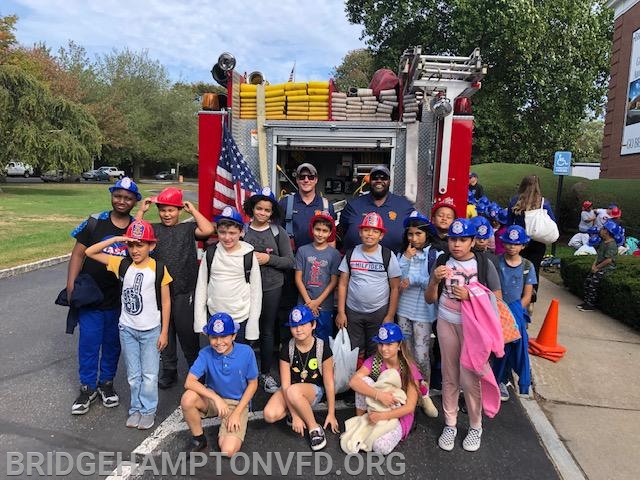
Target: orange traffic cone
<point>545,345</point>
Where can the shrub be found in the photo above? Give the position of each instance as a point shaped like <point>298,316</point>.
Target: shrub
<point>619,290</point>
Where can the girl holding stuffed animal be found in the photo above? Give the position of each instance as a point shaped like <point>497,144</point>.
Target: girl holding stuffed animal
<point>393,353</point>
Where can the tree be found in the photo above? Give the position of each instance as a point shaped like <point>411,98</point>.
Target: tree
<point>356,70</point>
<point>38,125</point>
<point>548,63</point>
<point>588,145</point>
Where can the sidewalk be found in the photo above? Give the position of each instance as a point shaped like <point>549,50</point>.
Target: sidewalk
<point>591,396</point>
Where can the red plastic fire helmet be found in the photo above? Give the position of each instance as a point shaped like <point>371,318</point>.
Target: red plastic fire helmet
<point>373,220</point>
<point>141,230</point>
<point>169,196</point>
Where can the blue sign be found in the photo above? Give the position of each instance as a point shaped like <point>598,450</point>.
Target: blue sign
<point>562,163</point>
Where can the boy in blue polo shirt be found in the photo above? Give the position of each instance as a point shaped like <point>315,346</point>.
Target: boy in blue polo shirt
<point>231,381</point>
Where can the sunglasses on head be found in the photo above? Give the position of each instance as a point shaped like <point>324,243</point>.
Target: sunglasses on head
<point>308,176</point>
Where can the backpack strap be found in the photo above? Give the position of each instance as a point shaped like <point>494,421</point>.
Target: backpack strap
<point>288,216</point>
<point>159,276</point>
<point>325,204</point>
<point>274,229</point>
<point>442,260</point>
<point>526,268</point>
<point>348,257</point>
<point>319,353</point>
<point>292,346</point>
<point>482,261</point>
<point>386,258</point>
<point>211,251</point>
<point>431,258</point>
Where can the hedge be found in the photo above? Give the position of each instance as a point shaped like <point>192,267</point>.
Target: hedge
<point>619,290</point>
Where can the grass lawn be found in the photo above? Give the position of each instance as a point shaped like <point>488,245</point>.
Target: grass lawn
<point>36,219</point>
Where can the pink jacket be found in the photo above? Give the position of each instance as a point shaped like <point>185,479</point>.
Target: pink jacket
<point>482,335</point>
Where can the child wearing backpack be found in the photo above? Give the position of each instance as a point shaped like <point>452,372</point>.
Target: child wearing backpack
<point>415,316</point>
<point>517,278</point>
<point>144,319</point>
<point>229,279</point>
<point>306,372</point>
<point>177,249</point>
<point>316,274</point>
<point>448,285</point>
<point>383,405</point>
<point>368,288</point>
<point>273,252</point>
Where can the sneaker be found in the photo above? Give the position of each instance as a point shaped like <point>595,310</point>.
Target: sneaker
<point>289,420</point>
<point>109,396</point>
<point>84,400</point>
<point>168,378</point>
<point>504,392</point>
<point>447,438</point>
<point>317,439</point>
<point>471,442</point>
<point>587,308</point>
<point>428,407</point>
<point>269,383</point>
<point>579,307</point>
<point>146,421</point>
<point>134,420</point>
<point>196,446</point>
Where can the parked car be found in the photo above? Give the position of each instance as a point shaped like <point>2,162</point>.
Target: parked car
<point>18,169</point>
<point>97,175</point>
<point>59,176</point>
<point>113,172</point>
<point>164,176</point>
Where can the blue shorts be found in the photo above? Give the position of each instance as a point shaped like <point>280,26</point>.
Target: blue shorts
<point>319,392</point>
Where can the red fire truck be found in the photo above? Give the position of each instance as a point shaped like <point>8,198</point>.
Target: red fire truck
<point>429,157</point>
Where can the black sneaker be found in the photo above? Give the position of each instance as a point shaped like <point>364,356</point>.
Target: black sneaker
<point>84,400</point>
<point>168,378</point>
<point>585,307</point>
<point>109,396</point>
<point>317,439</point>
<point>289,420</point>
<point>197,446</point>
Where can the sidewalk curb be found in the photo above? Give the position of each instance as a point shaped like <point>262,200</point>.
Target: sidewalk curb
<point>29,267</point>
<point>564,462</point>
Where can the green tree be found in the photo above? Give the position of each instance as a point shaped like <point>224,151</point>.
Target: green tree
<point>548,63</point>
<point>588,145</point>
<point>356,70</point>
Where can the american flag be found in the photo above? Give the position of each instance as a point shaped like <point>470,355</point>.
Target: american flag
<point>234,180</point>
<point>292,75</point>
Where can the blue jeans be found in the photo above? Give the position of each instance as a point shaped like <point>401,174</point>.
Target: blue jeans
<point>141,355</point>
<point>98,345</point>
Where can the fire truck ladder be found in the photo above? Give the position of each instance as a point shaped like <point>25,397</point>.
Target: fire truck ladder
<point>443,78</point>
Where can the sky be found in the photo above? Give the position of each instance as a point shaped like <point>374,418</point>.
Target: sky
<point>187,36</point>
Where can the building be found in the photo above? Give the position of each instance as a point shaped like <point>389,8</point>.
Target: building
<point>621,143</point>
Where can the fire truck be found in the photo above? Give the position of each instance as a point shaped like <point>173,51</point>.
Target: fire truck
<point>428,153</point>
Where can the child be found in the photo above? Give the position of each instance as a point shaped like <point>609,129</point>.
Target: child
<point>604,263</point>
<point>305,378</point>
<point>177,249</point>
<point>317,272</point>
<point>368,286</point>
<point>448,285</point>
<point>484,237</point>
<point>392,353</point>
<point>144,322</point>
<point>415,316</point>
<point>442,214</point>
<point>272,249</point>
<point>231,380</point>
<point>492,215</point>
<point>229,279</point>
<point>503,219</point>
<point>517,278</point>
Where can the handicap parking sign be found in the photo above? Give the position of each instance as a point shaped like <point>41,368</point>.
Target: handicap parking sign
<point>562,163</point>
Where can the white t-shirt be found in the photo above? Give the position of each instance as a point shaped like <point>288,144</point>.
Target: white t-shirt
<point>139,304</point>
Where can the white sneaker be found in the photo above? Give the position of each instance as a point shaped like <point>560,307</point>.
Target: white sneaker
<point>504,392</point>
<point>471,442</point>
<point>269,383</point>
<point>447,438</point>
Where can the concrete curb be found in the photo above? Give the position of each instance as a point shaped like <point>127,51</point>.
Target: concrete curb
<point>29,267</point>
